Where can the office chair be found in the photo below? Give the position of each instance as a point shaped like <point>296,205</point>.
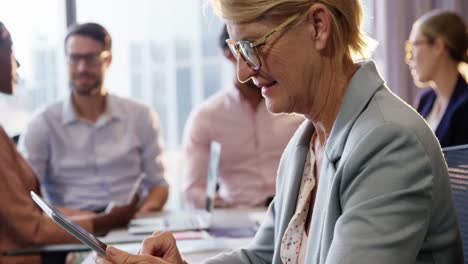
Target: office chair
<point>457,161</point>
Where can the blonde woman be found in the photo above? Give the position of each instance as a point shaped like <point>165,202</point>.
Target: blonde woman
<point>436,49</point>
<point>363,180</point>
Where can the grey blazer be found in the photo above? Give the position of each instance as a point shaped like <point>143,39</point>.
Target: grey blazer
<point>383,195</point>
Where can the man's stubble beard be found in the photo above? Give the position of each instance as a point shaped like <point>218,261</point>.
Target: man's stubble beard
<point>86,91</point>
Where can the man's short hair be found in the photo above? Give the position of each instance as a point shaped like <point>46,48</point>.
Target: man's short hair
<point>91,30</point>
<point>222,38</point>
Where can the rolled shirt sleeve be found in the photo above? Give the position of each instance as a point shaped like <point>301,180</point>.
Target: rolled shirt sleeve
<point>153,156</point>
<point>196,147</point>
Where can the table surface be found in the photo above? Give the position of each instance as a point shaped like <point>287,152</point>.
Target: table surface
<point>194,250</point>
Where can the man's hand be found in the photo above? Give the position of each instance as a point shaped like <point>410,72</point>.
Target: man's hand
<point>74,212</point>
<point>155,200</point>
<point>220,203</point>
<point>117,217</point>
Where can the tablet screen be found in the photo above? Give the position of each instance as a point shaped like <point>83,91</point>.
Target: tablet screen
<point>74,229</point>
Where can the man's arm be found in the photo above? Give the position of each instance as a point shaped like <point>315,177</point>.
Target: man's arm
<point>155,200</point>
<point>153,162</point>
<point>196,146</point>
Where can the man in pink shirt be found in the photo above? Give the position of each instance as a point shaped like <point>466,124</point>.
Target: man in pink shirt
<point>252,141</point>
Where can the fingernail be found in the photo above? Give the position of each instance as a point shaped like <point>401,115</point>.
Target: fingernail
<point>111,251</point>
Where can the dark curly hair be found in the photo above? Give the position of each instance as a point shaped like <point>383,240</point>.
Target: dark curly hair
<point>5,38</point>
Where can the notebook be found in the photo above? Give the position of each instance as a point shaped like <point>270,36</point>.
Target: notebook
<point>183,221</point>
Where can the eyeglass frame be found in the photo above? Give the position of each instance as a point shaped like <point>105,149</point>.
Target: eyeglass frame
<point>409,46</point>
<point>90,59</point>
<point>235,46</point>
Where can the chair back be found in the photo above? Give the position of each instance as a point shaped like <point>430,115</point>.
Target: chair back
<point>457,161</point>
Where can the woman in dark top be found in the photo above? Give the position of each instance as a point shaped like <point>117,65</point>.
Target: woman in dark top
<point>435,51</point>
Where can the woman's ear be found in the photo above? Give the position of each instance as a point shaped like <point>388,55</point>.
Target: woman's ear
<point>439,46</point>
<point>319,21</point>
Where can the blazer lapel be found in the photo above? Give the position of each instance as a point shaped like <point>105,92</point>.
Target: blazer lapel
<point>292,180</point>
<point>358,94</point>
<point>458,97</point>
<point>426,103</point>
<point>357,97</point>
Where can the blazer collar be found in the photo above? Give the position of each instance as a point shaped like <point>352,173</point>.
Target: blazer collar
<point>365,82</point>
<point>459,95</point>
<point>363,85</point>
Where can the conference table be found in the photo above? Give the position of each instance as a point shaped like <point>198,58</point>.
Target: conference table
<point>200,245</point>
<point>230,229</point>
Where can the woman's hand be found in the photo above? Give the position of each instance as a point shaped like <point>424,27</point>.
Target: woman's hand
<point>160,248</point>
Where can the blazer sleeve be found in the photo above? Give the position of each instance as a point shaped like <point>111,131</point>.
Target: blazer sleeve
<point>386,197</point>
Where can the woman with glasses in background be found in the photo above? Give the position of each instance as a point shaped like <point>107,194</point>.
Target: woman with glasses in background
<point>436,49</point>
<point>22,223</point>
<point>363,180</point>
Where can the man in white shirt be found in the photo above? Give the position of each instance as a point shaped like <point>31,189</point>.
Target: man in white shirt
<point>91,148</point>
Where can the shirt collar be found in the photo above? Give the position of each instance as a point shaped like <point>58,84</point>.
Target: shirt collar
<point>69,114</point>
<point>113,111</point>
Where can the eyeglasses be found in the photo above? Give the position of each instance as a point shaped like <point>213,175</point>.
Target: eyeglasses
<point>249,51</point>
<point>409,46</point>
<point>90,59</point>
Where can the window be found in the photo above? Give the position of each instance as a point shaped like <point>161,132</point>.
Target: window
<point>38,45</point>
<point>164,55</point>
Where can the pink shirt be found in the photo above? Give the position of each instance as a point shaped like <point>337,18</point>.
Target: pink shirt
<point>251,146</point>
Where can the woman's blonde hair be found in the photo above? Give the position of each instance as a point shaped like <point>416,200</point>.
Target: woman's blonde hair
<point>451,29</point>
<point>348,40</point>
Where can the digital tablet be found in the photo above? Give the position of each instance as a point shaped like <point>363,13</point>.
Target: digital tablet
<point>74,229</point>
